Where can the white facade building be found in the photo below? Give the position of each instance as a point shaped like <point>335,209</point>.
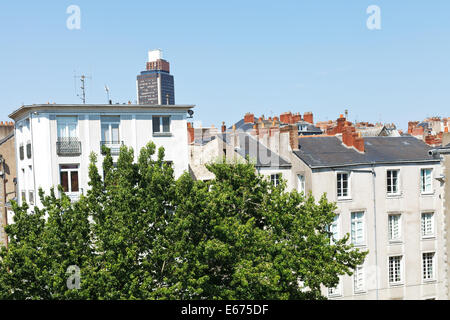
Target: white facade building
<point>388,193</point>
<point>53,142</point>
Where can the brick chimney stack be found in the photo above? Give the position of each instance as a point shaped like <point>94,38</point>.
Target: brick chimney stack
<point>249,118</point>
<point>308,117</point>
<point>224,128</point>
<point>286,117</point>
<point>190,131</point>
<point>350,138</point>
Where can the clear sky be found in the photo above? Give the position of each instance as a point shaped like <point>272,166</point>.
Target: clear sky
<point>232,57</point>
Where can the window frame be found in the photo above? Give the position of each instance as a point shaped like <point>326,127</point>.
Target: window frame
<point>69,177</point>
<point>398,191</point>
<point>390,233</point>
<point>343,197</point>
<point>338,289</point>
<point>363,219</point>
<point>401,271</point>
<point>105,121</point>
<point>301,183</point>
<point>433,225</point>
<point>63,120</point>
<point>277,180</point>
<point>161,131</point>
<point>422,185</point>
<point>355,277</point>
<point>336,223</point>
<point>434,266</point>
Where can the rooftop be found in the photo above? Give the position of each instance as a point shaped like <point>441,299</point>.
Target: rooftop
<point>323,151</point>
<point>98,107</point>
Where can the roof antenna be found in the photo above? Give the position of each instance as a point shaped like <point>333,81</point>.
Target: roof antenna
<point>83,87</point>
<point>107,94</point>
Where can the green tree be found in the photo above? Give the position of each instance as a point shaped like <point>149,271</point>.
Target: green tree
<point>140,234</point>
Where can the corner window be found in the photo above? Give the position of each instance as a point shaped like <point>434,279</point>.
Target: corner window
<point>426,185</point>
<point>392,182</point>
<point>343,185</point>
<point>161,124</point>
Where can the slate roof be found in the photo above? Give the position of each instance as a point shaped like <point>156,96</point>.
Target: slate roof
<point>256,151</point>
<point>323,152</point>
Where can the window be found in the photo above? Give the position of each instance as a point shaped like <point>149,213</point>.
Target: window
<point>24,196</point>
<point>334,229</point>
<point>301,183</point>
<point>392,182</point>
<point>359,284</point>
<point>31,197</point>
<point>69,178</point>
<point>21,152</point>
<point>161,124</point>
<point>275,178</point>
<point>428,265</point>
<point>427,224</point>
<point>342,185</point>
<point>357,228</point>
<point>394,226</point>
<point>66,126</point>
<point>426,180</point>
<point>395,269</point>
<point>29,149</point>
<point>336,291</point>
<point>110,129</point>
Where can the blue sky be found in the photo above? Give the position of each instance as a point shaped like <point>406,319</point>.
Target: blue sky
<point>232,57</point>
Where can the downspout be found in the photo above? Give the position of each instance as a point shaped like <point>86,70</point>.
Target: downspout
<point>375,228</point>
<point>32,158</point>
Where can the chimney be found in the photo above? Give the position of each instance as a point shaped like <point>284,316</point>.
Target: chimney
<point>224,128</point>
<point>249,118</point>
<point>358,142</point>
<point>286,117</point>
<point>190,130</point>
<point>293,135</point>
<point>340,124</point>
<point>308,117</point>
<point>296,118</point>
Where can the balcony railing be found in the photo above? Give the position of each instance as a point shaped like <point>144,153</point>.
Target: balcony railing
<point>68,147</point>
<point>114,146</point>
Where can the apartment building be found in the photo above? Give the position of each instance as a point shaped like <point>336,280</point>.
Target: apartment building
<point>54,141</point>
<point>388,195</point>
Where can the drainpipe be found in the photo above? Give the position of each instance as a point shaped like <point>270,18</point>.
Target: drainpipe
<point>375,227</point>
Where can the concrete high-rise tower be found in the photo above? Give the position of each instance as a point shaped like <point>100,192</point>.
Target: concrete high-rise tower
<point>155,85</point>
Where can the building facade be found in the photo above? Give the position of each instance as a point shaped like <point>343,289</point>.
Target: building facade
<point>7,175</point>
<point>388,195</point>
<point>53,142</point>
<point>155,85</point>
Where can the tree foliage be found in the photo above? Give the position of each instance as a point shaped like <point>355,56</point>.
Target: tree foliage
<point>140,234</point>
